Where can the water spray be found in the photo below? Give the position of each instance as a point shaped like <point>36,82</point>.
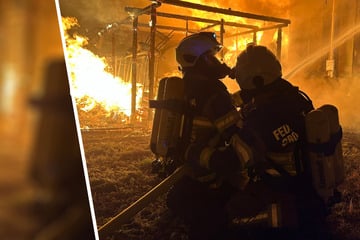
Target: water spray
<point>323,51</point>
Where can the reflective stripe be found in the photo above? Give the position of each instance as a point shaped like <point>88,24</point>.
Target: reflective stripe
<point>271,217</point>
<point>202,122</point>
<point>205,157</point>
<point>243,151</point>
<point>227,120</point>
<point>274,215</point>
<point>284,160</point>
<point>273,172</point>
<point>258,218</point>
<point>221,123</point>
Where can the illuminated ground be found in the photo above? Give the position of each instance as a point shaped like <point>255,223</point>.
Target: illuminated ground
<point>119,169</point>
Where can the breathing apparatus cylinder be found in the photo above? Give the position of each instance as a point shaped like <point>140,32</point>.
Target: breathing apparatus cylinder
<point>336,134</point>
<point>168,118</point>
<point>324,150</point>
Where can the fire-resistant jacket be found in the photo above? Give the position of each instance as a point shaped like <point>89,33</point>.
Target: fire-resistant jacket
<point>276,117</point>
<point>214,125</point>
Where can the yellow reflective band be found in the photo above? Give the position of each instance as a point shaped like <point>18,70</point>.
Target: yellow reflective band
<point>273,172</point>
<point>274,215</point>
<point>205,157</point>
<point>227,120</point>
<point>242,150</point>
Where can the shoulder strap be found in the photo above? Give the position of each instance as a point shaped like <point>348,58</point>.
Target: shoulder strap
<point>309,105</point>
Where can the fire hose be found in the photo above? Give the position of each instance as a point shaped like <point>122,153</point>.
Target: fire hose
<point>125,215</point>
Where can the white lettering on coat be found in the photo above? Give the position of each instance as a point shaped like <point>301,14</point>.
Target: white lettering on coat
<point>285,135</point>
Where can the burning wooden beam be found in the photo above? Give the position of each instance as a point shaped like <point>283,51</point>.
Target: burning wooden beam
<point>190,18</point>
<point>225,11</point>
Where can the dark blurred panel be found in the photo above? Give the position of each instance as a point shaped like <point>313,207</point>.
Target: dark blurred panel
<point>42,186</point>
<point>61,202</point>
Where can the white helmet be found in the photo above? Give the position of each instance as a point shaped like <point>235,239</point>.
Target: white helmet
<point>256,62</point>
<point>193,46</point>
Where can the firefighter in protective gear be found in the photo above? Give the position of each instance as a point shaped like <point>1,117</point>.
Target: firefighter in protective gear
<point>273,116</point>
<point>216,168</point>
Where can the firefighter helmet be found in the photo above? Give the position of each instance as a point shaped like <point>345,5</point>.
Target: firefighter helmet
<point>254,64</point>
<point>195,45</point>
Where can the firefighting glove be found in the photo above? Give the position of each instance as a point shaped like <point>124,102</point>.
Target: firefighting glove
<point>192,155</point>
<point>223,161</point>
<point>198,155</point>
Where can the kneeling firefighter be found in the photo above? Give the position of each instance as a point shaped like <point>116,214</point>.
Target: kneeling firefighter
<point>216,169</point>
<point>274,113</point>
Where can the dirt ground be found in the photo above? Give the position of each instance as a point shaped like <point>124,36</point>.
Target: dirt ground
<point>119,166</point>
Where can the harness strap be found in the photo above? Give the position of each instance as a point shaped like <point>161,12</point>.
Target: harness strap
<point>328,148</point>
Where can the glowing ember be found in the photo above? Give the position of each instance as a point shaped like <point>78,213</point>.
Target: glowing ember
<point>91,83</point>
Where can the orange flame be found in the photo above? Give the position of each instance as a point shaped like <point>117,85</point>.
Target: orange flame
<point>234,45</point>
<point>91,83</point>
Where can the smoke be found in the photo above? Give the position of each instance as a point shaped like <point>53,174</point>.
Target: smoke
<point>309,48</point>
<point>340,92</point>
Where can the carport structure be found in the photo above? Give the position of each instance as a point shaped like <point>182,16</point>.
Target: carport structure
<point>168,17</point>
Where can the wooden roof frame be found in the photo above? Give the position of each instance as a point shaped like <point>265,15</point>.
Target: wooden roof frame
<point>134,13</point>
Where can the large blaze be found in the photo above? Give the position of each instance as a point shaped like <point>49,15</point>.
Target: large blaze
<point>92,84</point>
<point>236,39</point>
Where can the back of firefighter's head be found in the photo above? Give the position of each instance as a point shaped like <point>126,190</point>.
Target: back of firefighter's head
<point>196,53</point>
<point>256,68</point>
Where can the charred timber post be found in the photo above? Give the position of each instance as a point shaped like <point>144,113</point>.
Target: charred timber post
<point>134,13</point>
<point>225,11</point>
<point>152,57</point>
<point>128,213</point>
<point>191,18</point>
<point>255,37</point>
<point>222,31</point>
<point>279,43</point>
<point>133,69</point>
